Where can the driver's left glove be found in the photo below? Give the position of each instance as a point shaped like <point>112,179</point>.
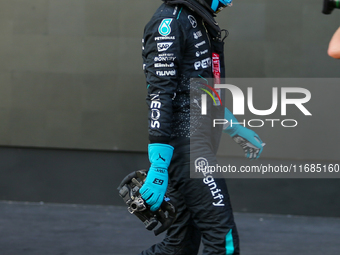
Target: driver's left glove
<point>250,142</point>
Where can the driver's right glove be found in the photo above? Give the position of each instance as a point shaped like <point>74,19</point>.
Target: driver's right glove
<point>156,183</point>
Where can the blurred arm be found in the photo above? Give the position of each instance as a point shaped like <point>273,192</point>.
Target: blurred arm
<point>334,45</point>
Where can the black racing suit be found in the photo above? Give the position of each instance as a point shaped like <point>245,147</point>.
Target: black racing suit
<point>180,42</point>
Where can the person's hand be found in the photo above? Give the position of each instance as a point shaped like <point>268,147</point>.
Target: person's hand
<point>156,183</point>
<point>250,142</point>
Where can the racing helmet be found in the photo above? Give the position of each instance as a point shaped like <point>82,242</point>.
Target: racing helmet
<point>215,6</point>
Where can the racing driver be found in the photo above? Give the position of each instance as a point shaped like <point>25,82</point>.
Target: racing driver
<point>183,41</point>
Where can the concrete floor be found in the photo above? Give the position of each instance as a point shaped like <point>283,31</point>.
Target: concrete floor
<point>64,229</point>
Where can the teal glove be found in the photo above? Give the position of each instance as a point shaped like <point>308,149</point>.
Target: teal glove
<point>250,142</point>
<point>156,183</point>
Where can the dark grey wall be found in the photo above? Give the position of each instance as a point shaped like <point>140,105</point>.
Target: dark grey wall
<point>71,77</point>
<point>91,177</point>
<point>272,38</point>
<point>70,73</point>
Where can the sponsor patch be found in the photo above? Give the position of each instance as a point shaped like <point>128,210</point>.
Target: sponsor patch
<point>164,59</point>
<point>205,63</point>
<point>197,34</point>
<point>199,53</point>
<point>164,28</point>
<point>197,45</point>
<point>216,68</point>
<point>159,65</point>
<point>166,73</point>
<point>217,74</point>
<point>202,165</point>
<point>159,38</point>
<point>164,46</point>
<point>175,11</point>
<point>155,105</point>
<point>158,181</point>
<point>192,21</point>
